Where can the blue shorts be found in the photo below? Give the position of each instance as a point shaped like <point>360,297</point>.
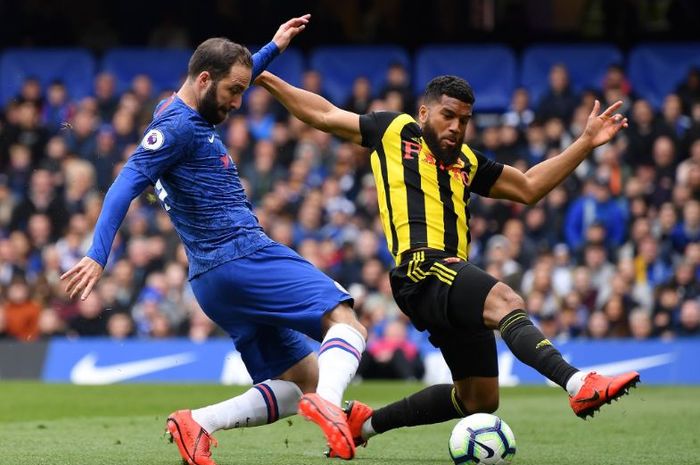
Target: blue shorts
<point>267,301</point>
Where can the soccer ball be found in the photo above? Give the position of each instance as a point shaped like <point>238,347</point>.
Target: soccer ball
<point>482,438</point>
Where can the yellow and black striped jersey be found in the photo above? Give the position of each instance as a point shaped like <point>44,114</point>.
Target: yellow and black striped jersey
<point>422,202</point>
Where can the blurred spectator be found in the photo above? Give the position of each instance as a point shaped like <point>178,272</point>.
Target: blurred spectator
<point>614,310</point>
<point>650,267</point>
<point>51,324</point>
<point>261,120</point>
<point>616,87</point>
<point>21,312</point>
<point>519,114</point>
<point>105,93</point>
<point>26,129</point>
<point>19,170</point>
<point>689,90</point>
<point>640,325</point>
<point>90,320</point>
<point>674,122</point>
<point>398,80</point>
<point>598,326</point>
<point>689,319</point>
<point>688,230</point>
<point>559,100</point>
<point>595,206</point>
<point>120,326</point>
<point>58,109</point>
<point>392,355</point>
<point>359,99</point>
<point>81,139</point>
<point>264,173</point>
<point>641,134</point>
<point>666,310</point>
<point>41,198</point>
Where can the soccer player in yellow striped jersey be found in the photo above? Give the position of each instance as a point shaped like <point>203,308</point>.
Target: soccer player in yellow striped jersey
<point>424,175</point>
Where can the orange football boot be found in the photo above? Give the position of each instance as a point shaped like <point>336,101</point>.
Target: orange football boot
<point>192,440</point>
<point>357,413</point>
<point>332,421</point>
<point>598,390</point>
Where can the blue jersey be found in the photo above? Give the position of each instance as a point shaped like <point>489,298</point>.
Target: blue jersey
<point>198,185</point>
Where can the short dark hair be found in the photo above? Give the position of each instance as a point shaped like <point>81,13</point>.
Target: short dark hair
<point>217,55</point>
<point>452,86</point>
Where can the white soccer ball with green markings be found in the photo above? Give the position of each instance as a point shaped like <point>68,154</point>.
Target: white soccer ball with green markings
<point>482,438</point>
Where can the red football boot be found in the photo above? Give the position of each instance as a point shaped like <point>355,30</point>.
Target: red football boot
<point>332,421</point>
<point>598,390</point>
<point>357,413</point>
<point>192,440</point>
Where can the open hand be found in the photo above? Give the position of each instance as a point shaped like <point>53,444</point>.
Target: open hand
<point>601,128</point>
<point>289,30</point>
<point>82,277</point>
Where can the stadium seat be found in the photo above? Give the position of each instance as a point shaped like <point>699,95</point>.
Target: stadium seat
<point>289,65</point>
<point>75,67</point>
<point>587,65</point>
<point>166,67</point>
<point>340,66</point>
<point>657,69</point>
<point>490,69</point>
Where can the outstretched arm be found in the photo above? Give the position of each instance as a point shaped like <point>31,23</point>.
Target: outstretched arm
<point>85,274</point>
<point>313,109</point>
<point>538,181</point>
<point>278,44</point>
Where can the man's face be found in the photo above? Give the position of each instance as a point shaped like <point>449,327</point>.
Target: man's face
<point>444,123</point>
<point>226,94</point>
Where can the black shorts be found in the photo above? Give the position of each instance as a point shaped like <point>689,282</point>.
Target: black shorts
<point>430,286</point>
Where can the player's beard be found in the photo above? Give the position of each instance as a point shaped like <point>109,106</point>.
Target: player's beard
<point>447,156</point>
<point>209,107</point>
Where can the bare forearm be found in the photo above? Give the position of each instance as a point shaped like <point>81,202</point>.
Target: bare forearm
<point>545,176</point>
<point>305,105</point>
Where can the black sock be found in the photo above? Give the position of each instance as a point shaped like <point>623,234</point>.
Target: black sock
<point>531,347</point>
<point>433,404</point>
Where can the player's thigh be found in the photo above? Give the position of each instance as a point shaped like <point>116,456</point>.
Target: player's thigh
<point>467,298</point>
<point>275,286</point>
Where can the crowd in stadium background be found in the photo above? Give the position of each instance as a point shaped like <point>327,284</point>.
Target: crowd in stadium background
<point>613,253</point>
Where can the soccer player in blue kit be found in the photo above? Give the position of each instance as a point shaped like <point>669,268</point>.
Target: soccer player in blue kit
<point>262,293</point>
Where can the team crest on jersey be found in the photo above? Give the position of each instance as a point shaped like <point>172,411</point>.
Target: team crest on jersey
<point>153,140</point>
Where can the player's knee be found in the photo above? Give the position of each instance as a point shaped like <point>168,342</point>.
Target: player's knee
<point>500,302</point>
<point>480,404</point>
<point>343,314</point>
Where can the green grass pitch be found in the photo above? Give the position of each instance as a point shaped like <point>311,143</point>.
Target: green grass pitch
<point>63,424</point>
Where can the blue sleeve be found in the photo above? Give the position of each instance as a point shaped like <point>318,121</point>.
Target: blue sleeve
<point>125,188</point>
<point>263,58</point>
<point>167,142</point>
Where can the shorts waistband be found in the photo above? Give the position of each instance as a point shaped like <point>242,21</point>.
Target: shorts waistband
<point>425,253</point>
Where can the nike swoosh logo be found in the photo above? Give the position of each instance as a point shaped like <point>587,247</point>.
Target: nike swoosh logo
<point>211,138</point>
<point>593,398</point>
<point>623,366</point>
<point>490,452</point>
<point>86,370</point>
<point>635,364</point>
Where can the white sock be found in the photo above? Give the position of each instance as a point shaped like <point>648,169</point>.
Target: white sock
<point>263,403</point>
<point>367,430</point>
<point>338,359</point>
<point>575,382</point>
